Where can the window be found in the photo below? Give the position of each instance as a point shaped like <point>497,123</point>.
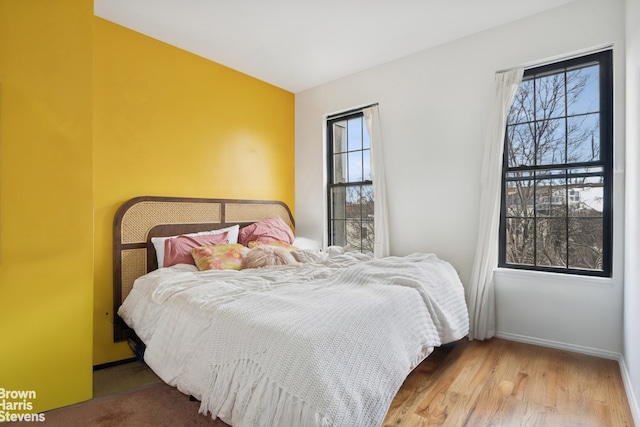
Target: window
<point>350,188</point>
<point>557,169</point>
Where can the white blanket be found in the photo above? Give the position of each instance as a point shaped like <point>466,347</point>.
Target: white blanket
<point>324,343</point>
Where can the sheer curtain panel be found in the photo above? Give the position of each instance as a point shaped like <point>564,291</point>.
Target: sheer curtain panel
<point>380,216</point>
<point>480,294</point>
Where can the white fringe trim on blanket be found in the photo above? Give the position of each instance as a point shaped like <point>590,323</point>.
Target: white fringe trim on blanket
<point>242,402</point>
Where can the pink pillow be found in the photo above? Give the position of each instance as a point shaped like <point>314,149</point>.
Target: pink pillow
<point>177,250</point>
<point>268,230</point>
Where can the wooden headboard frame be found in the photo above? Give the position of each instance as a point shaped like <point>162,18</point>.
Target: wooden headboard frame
<point>141,218</point>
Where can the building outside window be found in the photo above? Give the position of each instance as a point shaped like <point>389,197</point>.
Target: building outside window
<point>556,212</point>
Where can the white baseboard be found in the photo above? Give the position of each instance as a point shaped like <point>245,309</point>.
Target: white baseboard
<point>559,345</point>
<point>626,380</point>
<point>631,396</point>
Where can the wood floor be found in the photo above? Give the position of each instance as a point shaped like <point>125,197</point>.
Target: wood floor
<point>504,383</point>
<point>493,383</point>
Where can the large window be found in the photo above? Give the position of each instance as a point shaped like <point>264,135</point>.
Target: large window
<point>557,170</point>
<point>350,189</point>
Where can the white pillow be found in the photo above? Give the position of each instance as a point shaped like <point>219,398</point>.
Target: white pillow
<point>158,242</point>
<point>306,243</point>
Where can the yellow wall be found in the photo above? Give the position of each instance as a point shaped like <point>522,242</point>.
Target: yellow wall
<point>46,217</point>
<point>170,123</point>
<point>92,114</point>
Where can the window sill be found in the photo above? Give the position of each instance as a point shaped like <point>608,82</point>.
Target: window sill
<point>546,277</point>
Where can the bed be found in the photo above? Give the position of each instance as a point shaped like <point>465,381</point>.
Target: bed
<point>325,340</point>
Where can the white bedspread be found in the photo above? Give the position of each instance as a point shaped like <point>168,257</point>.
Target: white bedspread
<point>324,343</point>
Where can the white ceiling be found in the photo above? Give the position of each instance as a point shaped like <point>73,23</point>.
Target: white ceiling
<point>299,44</point>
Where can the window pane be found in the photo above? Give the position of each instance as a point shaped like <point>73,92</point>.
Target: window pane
<point>367,202</point>
<point>359,234</point>
<point>354,233</point>
<point>367,235</point>
<point>551,137</point>
<point>519,198</point>
<point>354,132</point>
<point>338,203</point>
<point>550,173</point>
<point>586,197</point>
<point>520,145</point>
<point>551,242</point>
<point>339,137</point>
<point>583,90</point>
<point>354,197</point>
<point>355,166</point>
<point>585,236</point>
<point>550,99</point>
<point>551,199</point>
<point>590,170</point>
<point>340,168</point>
<point>338,232</point>
<point>366,141</point>
<point>583,138</point>
<point>521,110</point>
<point>366,163</point>
<point>338,214</point>
<point>354,206</point>
<point>523,174</point>
<point>519,239</point>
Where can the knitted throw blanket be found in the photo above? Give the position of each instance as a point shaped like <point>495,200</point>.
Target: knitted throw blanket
<point>332,352</point>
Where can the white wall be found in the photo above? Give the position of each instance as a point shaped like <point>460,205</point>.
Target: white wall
<point>632,247</point>
<point>434,111</point>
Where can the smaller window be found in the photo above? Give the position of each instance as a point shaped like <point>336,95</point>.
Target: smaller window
<point>350,188</point>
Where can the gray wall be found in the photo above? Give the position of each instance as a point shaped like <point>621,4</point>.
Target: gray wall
<point>632,243</point>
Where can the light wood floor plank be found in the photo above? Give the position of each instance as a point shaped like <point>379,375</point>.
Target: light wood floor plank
<point>504,383</point>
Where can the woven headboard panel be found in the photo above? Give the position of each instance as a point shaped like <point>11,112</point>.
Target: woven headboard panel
<point>141,218</point>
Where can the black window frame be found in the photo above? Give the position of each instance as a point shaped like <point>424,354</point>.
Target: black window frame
<point>605,61</point>
<point>331,184</point>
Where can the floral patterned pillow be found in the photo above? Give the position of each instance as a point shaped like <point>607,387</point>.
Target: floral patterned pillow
<point>219,257</point>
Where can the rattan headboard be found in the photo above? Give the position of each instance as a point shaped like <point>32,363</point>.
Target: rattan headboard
<point>141,218</point>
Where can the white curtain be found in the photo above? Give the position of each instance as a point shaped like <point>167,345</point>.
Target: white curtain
<point>381,220</point>
<point>480,295</point>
